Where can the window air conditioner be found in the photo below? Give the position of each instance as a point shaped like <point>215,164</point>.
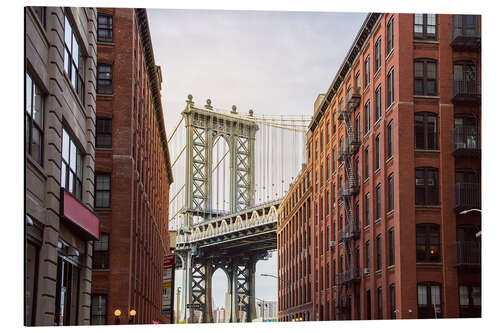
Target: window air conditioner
<point>366,271</point>
<point>332,243</point>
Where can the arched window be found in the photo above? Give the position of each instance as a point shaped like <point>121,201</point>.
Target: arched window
<point>428,242</point>
<point>426,131</point>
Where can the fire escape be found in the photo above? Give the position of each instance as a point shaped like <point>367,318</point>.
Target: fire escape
<point>347,279</point>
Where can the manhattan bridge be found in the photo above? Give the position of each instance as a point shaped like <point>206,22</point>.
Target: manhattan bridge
<point>236,170</point>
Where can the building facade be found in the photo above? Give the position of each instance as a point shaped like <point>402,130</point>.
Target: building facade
<point>295,250</point>
<point>394,153</point>
<point>133,173</point>
<point>60,223</point>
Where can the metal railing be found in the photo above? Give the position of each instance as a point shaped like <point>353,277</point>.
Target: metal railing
<point>468,253</point>
<point>466,88</point>
<point>465,137</point>
<point>467,195</point>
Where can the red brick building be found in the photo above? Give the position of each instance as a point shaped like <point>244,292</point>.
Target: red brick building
<point>394,154</point>
<point>132,174</point>
<point>295,250</point>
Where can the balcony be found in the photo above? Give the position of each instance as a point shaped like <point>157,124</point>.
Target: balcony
<point>353,185</point>
<point>354,141</point>
<point>352,231</point>
<point>349,276</point>
<point>354,98</point>
<point>466,91</point>
<point>465,34</point>
<point>344,154</point>
<point>469,253</point>
<point>467,196</point>
<point>466,141</point>
<point>344,114</point>
<point>341,236</point>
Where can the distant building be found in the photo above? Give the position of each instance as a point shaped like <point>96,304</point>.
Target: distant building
<point>220,315</point>
<point>270,310</point>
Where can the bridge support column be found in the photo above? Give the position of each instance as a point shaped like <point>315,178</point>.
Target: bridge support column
<point>186,283</point>
<point>243,289</point>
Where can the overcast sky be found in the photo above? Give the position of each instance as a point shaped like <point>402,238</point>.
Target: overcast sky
<point>271,62</point>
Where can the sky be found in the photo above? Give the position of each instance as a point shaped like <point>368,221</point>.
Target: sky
<point>275,63</point>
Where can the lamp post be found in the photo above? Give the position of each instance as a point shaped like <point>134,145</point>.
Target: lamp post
<point>117,314</point>
<point>177,312</point>
<point>131,316</point>
<point>287,282</point>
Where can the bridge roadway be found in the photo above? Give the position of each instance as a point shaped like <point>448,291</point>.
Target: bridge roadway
<point>234,243</point>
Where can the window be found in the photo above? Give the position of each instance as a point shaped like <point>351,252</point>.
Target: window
<point>104,79</point>
<point>34,121</point>
<point>71,166</point>
<point>357,81</point>
<point>100,257</point>
<point>367,71</point>
<point>102,190</point>
<point>425,77</point>
<point>334,161</point>
<point>380,314</point>
<point>389,140</point>
<point>367,117</point>
<point>98,309</point>
<point>357,127</point>
<point>367,256</point>
<point>377,152</point>
<point>367,163</point>
<point>67,290</point>
<point>368,305</point>
<point>334,275</point>
<point>390,35</point>
<point>465,80</point>
<point>392,295</point>
<point>391,247</point>
<point>321,138</point>
<point>390,87</point>
<point>327,129</point>
<point>367,209</point>
<point>103,133</point>
<point>470,296</point>
<point>378,54</point>
<point>356,214</point>
<point>328,167</point>
<point>379,252</point>
<point>104,28</point>
<point>429,300</point>
<point>465,25</point>
<point>390,194</point>
<point>428,243</point>
<point>40,13</point>
<point>74,63</point>
<point>424,26</point>
<point>426,186</point>
<point>378,203</point>
<point>378,103</point>
<point>426,131</point>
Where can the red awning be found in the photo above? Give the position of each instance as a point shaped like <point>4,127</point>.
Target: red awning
<point>79,216</point>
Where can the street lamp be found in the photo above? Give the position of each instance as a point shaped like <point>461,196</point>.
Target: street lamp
<point>117,314</point>
<point>287,282</point>
<point>131,317</point>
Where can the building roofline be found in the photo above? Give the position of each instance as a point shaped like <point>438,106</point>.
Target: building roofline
<point>363,33</point>
<point>155,81</point>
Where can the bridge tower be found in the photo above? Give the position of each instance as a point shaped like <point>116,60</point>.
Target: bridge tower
<point>203,127</point>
